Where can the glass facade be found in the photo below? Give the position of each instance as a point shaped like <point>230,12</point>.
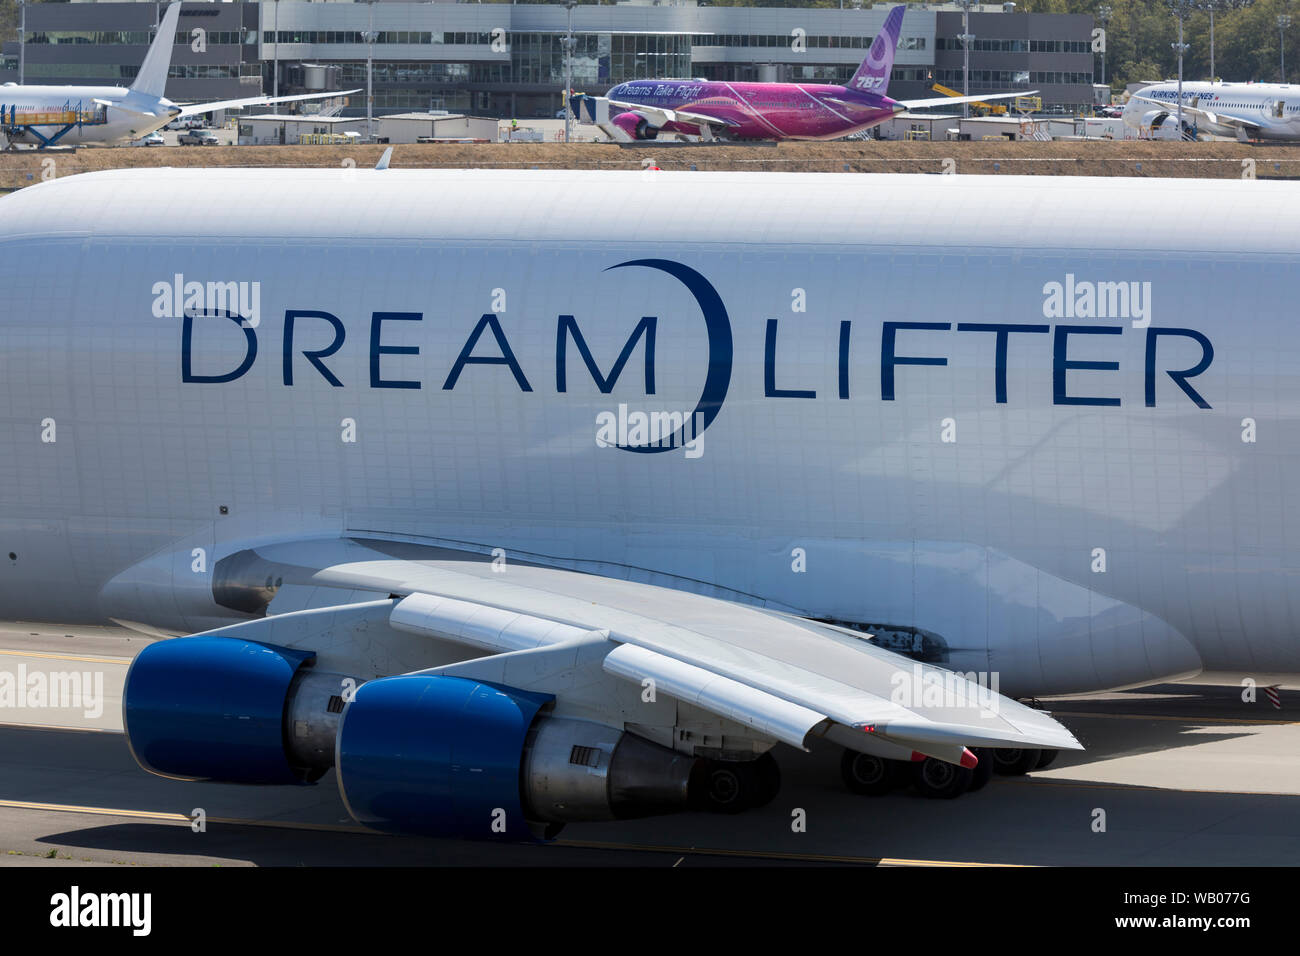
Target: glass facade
<point>990,45</point>
<point>521,71</point>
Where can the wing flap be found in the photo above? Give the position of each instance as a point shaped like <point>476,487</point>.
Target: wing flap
<point>769,714</point>
<point>477,625</point>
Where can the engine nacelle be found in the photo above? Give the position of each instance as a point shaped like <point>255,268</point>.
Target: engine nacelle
<point>418,753</point>
<point>446,756</point>
<point>231,711</point>
<point>635,125</point>
<point>1155,119</point>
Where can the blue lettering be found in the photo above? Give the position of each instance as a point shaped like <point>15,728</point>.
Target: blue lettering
<point>313,357</point>
<point>377,321</point>
<point>1060,364</point>
<point>888,359</point>
<point>507,357</point>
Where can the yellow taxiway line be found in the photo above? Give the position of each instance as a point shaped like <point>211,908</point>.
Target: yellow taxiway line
<point>66,657</point>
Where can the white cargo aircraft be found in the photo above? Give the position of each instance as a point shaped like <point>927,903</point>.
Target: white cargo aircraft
<point>517,497</point>
<point>111,115</point>
<point>1244,110</point>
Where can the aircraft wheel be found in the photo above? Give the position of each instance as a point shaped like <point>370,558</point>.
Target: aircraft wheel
<point>769,780</point>
<point>983,771</point>
<point>870,775</point>
<point>733,786</point>
<point>1014,763</point>
<point>940,780</point>
<point>1045,759</point>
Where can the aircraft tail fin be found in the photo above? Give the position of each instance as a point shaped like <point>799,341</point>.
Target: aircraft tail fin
<point>152,78</point>
<point>873,75</point>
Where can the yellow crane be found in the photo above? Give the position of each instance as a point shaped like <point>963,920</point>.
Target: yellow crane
<point>1021,104</point>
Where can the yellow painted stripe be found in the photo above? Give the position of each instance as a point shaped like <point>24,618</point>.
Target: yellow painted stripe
<point>178,817</point>
<point>1103,785</point>
<point>60,727</point>
<point>770,854</point>
<point>66,657</point>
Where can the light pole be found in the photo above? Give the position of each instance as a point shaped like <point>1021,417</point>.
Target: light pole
<point>965,38</point>
<point>1180,9</point>
<point>22,39</point>
<point>1104,14</point>
<point>1212,7</point>
<point>275,68</point>
<point>369,37</point>
<point>1209,6</point>
<point>568,72</point>
<point>1283,21</point>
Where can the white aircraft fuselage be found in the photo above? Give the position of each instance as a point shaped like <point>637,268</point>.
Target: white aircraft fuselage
<point>1040,435</point>
<point>92,123</point>
<point>1262,110</point>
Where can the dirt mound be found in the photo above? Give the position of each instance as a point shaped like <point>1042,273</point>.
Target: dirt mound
<point>1075,158</point>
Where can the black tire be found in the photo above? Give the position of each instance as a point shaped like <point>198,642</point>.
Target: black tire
<point>940,780</point>
<point>1014,763</point>
<point>1045,759</point>
<point>768,781</point>
<point>983,771</point>
<point>733,786</point>
<point>870,775</point>
<point>724,788</point>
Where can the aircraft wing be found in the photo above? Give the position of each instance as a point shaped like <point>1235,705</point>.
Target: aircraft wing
<point>659,116</point>
<point>197,109</point>
<point>125,109</point>
<point>787,677</point>
<point>958,100</point>
<point>1219,119</point>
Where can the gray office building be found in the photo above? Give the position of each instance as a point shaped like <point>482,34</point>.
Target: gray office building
<point>507,60</point>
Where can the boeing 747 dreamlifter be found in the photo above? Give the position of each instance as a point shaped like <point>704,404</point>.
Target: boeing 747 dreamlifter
<point>516,497</point>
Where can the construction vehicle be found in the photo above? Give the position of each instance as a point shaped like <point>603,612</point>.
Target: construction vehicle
<point>1021,104</point>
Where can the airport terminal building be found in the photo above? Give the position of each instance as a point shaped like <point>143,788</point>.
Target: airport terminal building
<point>507,60</point>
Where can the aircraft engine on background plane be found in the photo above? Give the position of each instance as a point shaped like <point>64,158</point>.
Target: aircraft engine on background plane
<point>1155,119</point>
<point>418,753</point>
<point>636,126</point>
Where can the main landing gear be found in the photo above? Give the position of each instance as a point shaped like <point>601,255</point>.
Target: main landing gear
<point>875,776</point>
<point>731,786</point>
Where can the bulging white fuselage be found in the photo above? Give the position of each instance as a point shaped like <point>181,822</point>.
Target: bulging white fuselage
<point>1047,436</point>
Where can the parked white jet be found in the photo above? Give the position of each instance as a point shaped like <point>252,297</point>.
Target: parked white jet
<point>1243,110</point>
<point>517,497</point>
<point>111,115</point>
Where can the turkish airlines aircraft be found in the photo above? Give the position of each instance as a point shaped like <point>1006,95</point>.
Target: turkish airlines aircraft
<point>1243,110</point>
<point>714,109</point>
<point>111,115</point>
<point>516,490</point>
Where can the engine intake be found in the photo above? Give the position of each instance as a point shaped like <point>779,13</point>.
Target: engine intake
<point>230,711</point>
<point>446,756</point>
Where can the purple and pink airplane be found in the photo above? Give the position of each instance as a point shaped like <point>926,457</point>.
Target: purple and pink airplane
<point>713,109</point>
